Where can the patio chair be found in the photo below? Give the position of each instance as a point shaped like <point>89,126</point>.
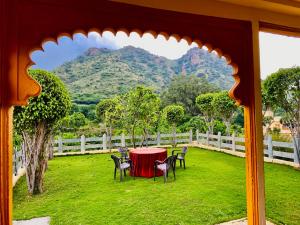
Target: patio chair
<point>122,166</point>
<point>181,155</point>
<point>165,166</point>
<point>124,154</point>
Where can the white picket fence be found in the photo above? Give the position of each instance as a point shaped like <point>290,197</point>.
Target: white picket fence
<point>18,160</point>
<point>271,148</point>
<point>102,143</point>
<point>233,143</point>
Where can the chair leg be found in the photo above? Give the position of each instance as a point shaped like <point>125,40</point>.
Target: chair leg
<point>121,175</point>
<point>174,173</point>
<point>167,173</point>
<point>115,173</point>
<point>165,176</point>
<point>154,172</point>
<point>184,163</point>
<point>132,169</point>
<point>180,163</point>
<point>124,172</point>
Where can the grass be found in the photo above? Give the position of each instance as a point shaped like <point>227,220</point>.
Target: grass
<point>81,190</point>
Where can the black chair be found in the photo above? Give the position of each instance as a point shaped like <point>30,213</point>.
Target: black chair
<point>165,166</point>
<point>122,166</point>
<point>124,154</point>
<point>181,155</point>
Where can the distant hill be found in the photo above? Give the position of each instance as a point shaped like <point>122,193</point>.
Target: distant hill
<point>102,73</point>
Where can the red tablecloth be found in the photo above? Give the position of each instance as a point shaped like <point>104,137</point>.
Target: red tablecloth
<point>143,160</point>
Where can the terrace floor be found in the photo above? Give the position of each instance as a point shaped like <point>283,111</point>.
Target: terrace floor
<point>81,190</point>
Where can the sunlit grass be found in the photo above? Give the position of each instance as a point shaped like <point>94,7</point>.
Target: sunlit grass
<point>81,190</point>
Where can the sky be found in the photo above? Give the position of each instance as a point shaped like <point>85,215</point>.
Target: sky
<point>276,51</point>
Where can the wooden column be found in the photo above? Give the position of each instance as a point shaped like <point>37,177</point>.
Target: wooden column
<point>6,165</point>
<point>254,143</point>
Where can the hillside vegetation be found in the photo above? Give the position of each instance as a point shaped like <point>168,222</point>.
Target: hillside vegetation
<point>103,73</point>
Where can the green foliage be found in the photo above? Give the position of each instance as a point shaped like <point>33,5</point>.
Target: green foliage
<point>37,122</point>
<point>239,117</point>
<point>282,89</point>
<point>17,140</point>
<point>77,120</point>
<point>204,103</point>
<point>224,107</point>
<point>102,73</point>
<point>49,107</point>
<point>108,109</point>
<point>141,110</point>
<point>183,90</point>
<point>89,111</point>
<point>205,106</point>
<point>220,127</point>
<point>195,123</point>
<point>173,114</point>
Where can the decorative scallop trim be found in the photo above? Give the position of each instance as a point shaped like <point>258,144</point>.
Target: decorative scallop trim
<point>210,48</point>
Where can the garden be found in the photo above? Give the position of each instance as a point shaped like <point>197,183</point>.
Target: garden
<point>211,190</point>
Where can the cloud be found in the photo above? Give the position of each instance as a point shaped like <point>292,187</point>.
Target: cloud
<point>67,49</point>
<point>278,51</point>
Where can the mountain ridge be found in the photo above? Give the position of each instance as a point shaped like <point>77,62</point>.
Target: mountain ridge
<point>102,73</point>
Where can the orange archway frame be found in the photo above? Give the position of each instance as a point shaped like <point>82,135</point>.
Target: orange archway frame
<point>26,24</point>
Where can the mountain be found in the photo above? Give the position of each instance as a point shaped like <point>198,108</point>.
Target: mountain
<point>102,73</point>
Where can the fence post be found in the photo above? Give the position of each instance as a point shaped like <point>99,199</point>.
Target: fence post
<point>174,138</point>
<point>123,140</point>
<point>82,142</point>
<point>191,136</point>
<point>197,136</point>
<point>158,138</point>
<point>270,147</point>
<point>104,142</point>
<point>296,142</point>
<point>219,140</point>
<point>15,162</point>
<point>207,138</point>
<point>60,144</point>
<point>233,142</point>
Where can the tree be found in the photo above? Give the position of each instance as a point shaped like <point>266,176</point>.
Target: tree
<point>195,123</point>
<point>141,110</point>
<point>36,123</point>
<point>204,103</point>
<point>109,111</point>
<point>183,90</point>
<point>77,120</point>
<point>282,89</point>
<point>225,108</point>
<point>173,114</point>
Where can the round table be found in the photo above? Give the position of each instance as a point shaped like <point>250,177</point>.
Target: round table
<point>143,160</point>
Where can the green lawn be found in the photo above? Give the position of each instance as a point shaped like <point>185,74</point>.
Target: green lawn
<point>81,190</point>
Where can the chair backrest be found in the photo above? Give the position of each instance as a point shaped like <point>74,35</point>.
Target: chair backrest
<point>116,160</point>
<point>124,152</point>
<point>170,161</point>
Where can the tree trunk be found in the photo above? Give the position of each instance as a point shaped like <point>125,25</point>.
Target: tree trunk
<point>109,138</point>
<point>133,137</point>
<point>227,124</point>
<point>174,136</point>
<point>144,138</point>
<point>36,157</point>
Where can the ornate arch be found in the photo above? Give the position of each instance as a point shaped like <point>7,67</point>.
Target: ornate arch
<point>229,38</point>
<point>25,24</point>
